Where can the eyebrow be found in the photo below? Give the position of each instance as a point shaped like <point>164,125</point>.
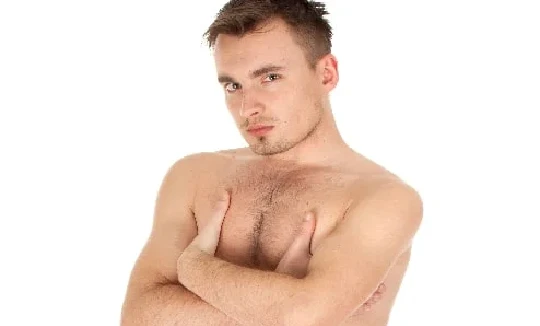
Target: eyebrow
<point>254,74</point>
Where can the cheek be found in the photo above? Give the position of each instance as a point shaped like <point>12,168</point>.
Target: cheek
<point>231,102</point>
<point>232,107</point>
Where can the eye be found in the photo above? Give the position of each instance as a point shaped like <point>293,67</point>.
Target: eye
<point>272,77</point>
<point>231,87</point>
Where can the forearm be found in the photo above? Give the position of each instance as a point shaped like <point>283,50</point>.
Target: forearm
<point>172,304</point>
<point>253,297</point>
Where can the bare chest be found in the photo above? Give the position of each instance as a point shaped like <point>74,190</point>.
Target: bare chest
<point>267,208</point>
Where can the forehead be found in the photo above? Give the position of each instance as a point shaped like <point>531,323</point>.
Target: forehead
<point>272,43</point>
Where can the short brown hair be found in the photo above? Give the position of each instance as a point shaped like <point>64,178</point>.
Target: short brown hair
<point>305,18</point>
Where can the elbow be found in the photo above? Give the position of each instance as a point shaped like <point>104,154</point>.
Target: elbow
<point>134,313</point>
<point>128,315</point>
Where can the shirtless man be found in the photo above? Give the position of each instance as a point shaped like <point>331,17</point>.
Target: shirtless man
<point>230,243</point>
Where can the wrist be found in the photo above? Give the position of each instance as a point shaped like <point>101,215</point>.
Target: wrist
<point>184,263</point>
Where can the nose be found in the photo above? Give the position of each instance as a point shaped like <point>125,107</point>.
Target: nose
<point>251,106</point>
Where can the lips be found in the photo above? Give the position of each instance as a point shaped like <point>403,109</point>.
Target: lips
<point>255,127</point>
<point>259,130</point>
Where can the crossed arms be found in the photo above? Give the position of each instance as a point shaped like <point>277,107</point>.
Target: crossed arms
<point>346,268</point>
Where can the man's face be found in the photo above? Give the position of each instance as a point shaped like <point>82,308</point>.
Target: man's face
<point>268,81</point>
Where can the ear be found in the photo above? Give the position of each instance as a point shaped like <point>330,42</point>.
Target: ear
<point>327,68</point>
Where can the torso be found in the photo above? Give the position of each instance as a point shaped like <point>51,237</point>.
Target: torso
<point>268,202</point>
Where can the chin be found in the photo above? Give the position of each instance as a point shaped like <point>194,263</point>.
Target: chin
<point>266,148</point>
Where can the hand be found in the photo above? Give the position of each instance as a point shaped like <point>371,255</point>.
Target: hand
<point>376,296</point>
<point>208,239</point>
<point>296,259</point>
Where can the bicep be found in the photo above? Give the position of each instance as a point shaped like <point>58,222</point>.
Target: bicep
<point>349,264</point>
<point>173,228</point>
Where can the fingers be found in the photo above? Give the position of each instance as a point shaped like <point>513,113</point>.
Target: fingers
<point>218,213</point>
<point>381,288</point>
<point>296,258</point>
<point>373,300</point>
<point>368,305</point>
<point>208,239</point>
<point>308,229</point>
<point>375,297</point>
<point>302,241</point>
<point>222,204</point>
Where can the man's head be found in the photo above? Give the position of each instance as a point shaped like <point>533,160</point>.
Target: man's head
<point>273,60</point>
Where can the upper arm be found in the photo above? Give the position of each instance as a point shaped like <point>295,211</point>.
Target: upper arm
<point>173,228</point>
<point>347,267</point>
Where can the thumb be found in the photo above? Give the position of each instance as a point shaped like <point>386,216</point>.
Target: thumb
<point>212,230</point>
<point>223,200</point>
<point>302,241</point>
<point>219,206</point>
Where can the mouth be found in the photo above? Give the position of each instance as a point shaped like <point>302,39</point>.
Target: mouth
<point>259,131</point>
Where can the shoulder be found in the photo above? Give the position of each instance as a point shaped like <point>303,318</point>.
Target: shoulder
<point>185,172</point>
<point>199,168</point>
<point>377,188</point>
<point>236,153</point>
<point>387,204</point>
<point>198,162</point>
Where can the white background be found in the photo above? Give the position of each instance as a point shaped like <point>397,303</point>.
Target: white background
<point>98,98</point>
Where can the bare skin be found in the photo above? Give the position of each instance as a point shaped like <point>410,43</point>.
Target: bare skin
<point>295,261</point>
<point>154,295</point>
<point>301,165</point>
<point>261,235</point>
